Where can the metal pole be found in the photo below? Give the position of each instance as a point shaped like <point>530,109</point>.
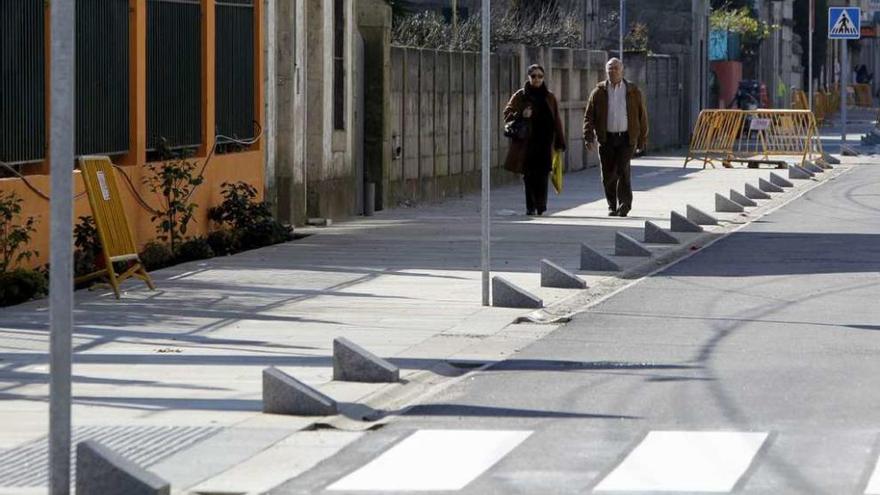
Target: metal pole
<point>622,21</point>
<point>455,18</point>
<point>61,122</point>
<point>485,131</point>
<point>844,77</point>
<point>810,67</point>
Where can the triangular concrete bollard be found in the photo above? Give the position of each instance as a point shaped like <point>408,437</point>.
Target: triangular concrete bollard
<point>822,163</point>
<point>625,245</point>
<point>700,217</point>
<point>725,205</point>
<point>680,223</point>
<point>814,167</point>
<point>738,198</point>
<point>768,186</point>
<point>507,295</point>
<point>779,180</point>
<point>101,471</point>
<point>353,363</point>
<point>284,394</point>
<point>831,160</point>
<point>796,172</point>
<point>593,260</point>
<point>753,192</point>
<point>654,234</point>
<point>553,275</point>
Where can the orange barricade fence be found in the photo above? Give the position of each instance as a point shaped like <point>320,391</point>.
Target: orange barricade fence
<point>756,136</point>
<point>799,100</point>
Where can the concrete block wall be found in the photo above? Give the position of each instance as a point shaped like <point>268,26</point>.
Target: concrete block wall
<point>435,123</point>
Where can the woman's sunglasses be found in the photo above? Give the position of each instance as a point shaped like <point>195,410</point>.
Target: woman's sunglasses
<point>536,76</point>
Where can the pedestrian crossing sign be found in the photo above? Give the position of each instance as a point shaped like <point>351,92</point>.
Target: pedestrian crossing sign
<point>844,23</point>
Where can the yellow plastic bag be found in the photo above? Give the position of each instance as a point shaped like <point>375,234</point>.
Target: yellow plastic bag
<point>556,171</point>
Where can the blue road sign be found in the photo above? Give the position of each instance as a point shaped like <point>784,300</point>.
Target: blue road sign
<point>844,23</point>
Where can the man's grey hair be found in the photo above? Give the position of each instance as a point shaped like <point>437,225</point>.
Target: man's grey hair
<point>613,60</point>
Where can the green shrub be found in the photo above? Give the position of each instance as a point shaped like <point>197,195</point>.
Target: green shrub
<point>156,255</point>
<point>88,247</point>
<point>223,242</point>
<point>14,236</point>
<point>193,249</point>
<point>174,180</point>
<point>250,221</point>
<point>22,285</point>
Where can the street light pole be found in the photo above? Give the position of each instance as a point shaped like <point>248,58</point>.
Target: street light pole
<point>622,21</point>
<point>61,124</point>
<point>486,129</point>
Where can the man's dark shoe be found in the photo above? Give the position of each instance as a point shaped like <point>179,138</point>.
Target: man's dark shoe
<point>623,211</point>
<point>612,213</point>
<point>530,213</point>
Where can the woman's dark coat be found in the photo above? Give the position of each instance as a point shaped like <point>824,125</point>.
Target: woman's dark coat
<point>534,154</point>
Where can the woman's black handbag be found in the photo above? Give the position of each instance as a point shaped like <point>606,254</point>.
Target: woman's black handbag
<point>517,129</point>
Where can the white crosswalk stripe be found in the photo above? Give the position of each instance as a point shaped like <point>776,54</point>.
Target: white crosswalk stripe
<point>432,460</point>
<point>873,487</point>
<point>687,461</point>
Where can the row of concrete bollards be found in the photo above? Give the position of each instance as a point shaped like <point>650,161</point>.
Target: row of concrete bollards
<point>101,471</point>
<point>506,294</point>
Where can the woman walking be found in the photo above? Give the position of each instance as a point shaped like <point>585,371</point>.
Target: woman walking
<point>535,129</point>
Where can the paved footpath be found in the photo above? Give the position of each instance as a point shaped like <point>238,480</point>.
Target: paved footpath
<point>172,378</point>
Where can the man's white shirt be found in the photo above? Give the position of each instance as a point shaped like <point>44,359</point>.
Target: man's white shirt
<point>617,120</point>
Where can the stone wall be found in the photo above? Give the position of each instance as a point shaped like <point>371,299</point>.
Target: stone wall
<point>659,77</point>
<point>435,115</point>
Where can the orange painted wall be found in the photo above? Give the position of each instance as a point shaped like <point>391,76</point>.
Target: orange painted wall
<point>245,166</point>
<point>233,167</point>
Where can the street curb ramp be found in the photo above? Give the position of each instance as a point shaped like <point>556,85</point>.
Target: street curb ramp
<point>507,295</point>
<point>284,394</point>
<point>553,275</point>
<point>101,471</point>
<point>353,363</point>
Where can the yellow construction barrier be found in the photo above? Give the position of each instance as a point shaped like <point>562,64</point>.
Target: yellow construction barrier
<point>799,100</point>
<point>863,95</point>
<point>117,243</point>
<point>714,136</point>
<point>754,137</point>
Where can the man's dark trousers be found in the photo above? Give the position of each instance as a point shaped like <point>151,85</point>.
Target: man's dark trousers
<point>615,155</point>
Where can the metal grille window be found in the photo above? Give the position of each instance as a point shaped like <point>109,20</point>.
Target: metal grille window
<point>102,86</point>
<point>22,81</point>
<point>174,71</point>
<point>339,64</point>
<point>234,79</point>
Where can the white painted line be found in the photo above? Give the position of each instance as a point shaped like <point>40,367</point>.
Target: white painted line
<point>430,460</point>
<point>874,483</point>
<point>685,461</point>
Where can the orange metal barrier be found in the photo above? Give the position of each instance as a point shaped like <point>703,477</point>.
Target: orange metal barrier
<point>754,136</point>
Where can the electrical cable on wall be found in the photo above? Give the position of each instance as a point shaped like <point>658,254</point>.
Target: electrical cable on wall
<point>141,201</point>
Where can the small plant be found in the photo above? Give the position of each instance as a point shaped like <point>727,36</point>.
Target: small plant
<point>22,285</point>
<point>173,180</point>
<point>222,242</point>
<point>637,38</point>
<point>156,255</point>
<point>14,236</point>
<point>88,246</point>
<point>193,249</point>
<point>249,221</point>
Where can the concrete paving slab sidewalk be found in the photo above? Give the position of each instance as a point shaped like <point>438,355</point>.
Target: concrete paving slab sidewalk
<point>404,284</point>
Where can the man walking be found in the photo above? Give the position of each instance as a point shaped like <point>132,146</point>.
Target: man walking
<point>616,115</point>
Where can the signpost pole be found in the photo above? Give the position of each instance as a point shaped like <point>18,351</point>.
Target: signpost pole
<point>61,125</point>
<point>622,19</point>
<point>485,133</point>
<point>844,79</point>
<point>810,62</point>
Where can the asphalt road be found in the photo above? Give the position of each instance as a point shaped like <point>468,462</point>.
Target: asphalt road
<point>752,367</point>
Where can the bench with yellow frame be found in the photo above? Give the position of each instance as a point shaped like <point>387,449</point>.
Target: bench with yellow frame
<point>117,243</point>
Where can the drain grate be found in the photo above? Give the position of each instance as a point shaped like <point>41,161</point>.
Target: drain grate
<point>27,465</point>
